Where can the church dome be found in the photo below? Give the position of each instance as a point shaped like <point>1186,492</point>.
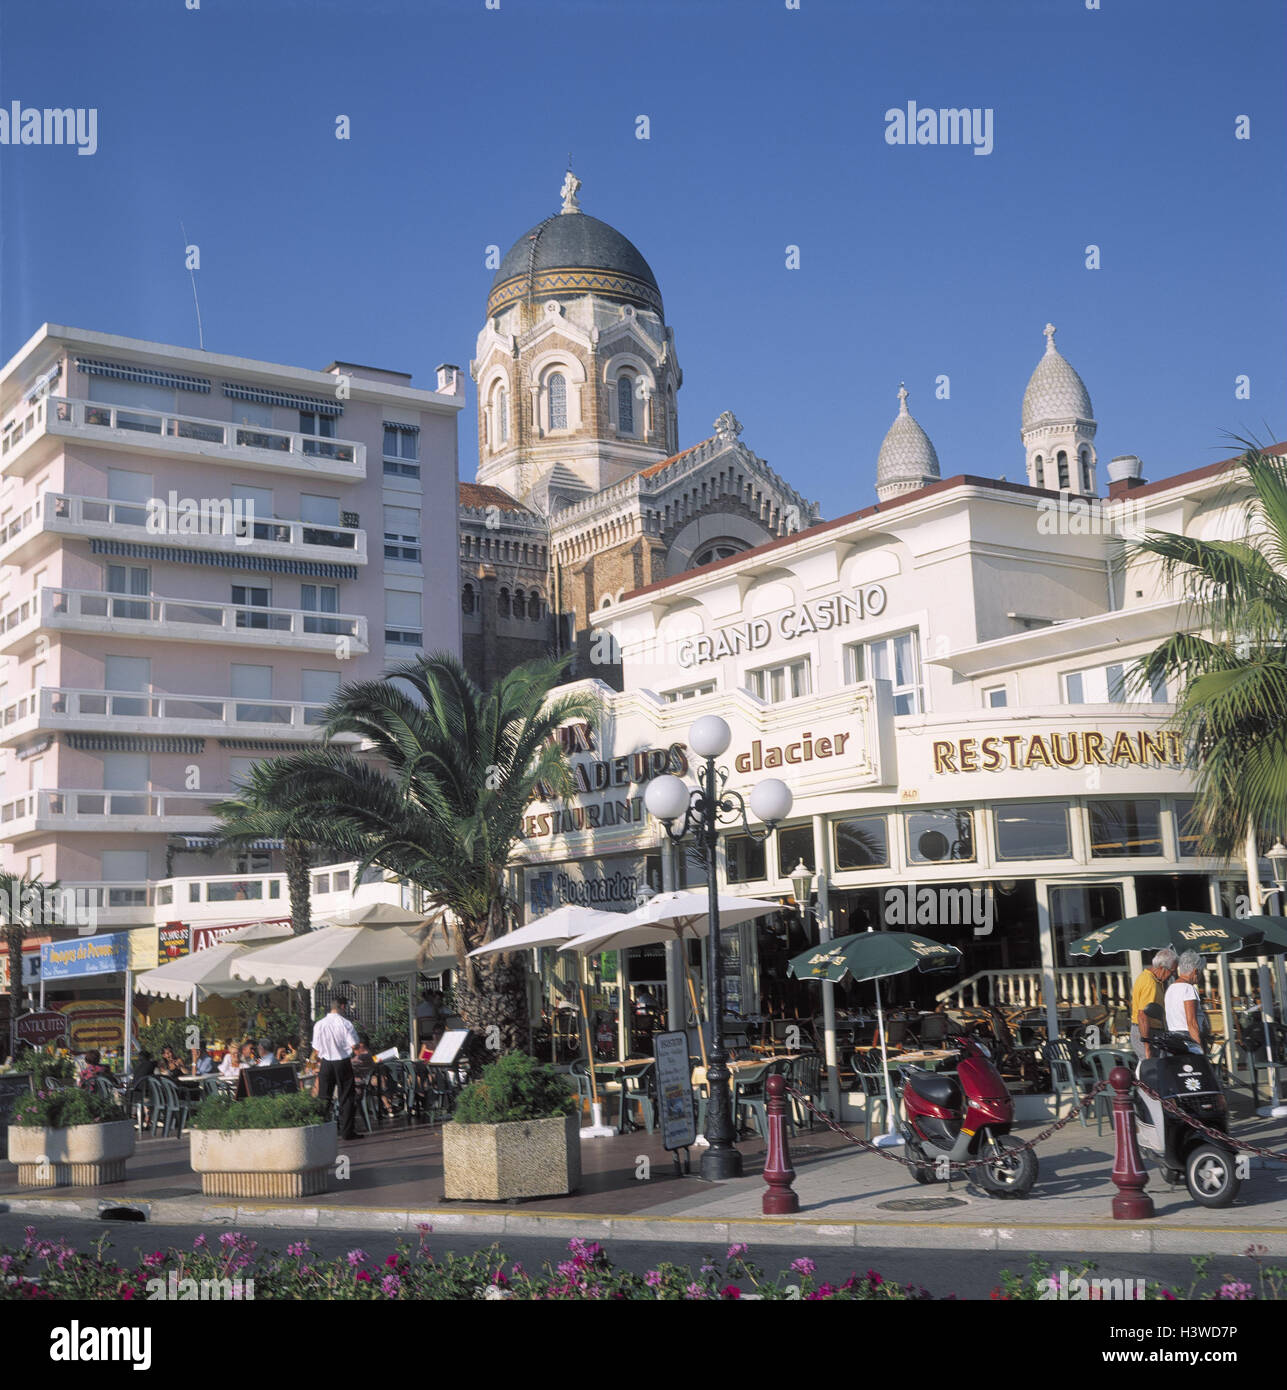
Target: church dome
<point>907,459</point>
<point>573,253</point>
<point>1055,394</point>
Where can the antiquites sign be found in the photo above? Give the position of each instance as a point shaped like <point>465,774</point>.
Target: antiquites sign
<point>754,634</point>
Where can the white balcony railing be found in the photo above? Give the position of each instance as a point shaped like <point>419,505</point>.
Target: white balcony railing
<point>1106,986</point>
<point>211,523</point>
<point>60,707</point>
<point>179,619</point>
<point>130,427</point>
<point>56,808</point>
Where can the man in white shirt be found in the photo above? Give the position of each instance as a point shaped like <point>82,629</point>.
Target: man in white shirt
<point>334,1039</point>
<point>267,1058</point>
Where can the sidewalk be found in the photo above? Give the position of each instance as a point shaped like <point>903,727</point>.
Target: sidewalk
<point>845,1194</point>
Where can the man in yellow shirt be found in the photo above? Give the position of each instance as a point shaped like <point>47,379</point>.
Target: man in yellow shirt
<point>1150,988</point>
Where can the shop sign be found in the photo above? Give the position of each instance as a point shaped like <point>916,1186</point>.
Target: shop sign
<point>1080,748</point>
<point>172,942</point>
<point>801,620</point>
<point>608,885</point>
<point>203,937</point>
<point>90,955</point>
<point>40,1028</point>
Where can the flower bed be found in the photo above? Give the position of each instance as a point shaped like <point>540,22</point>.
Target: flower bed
<point>69,1138</point>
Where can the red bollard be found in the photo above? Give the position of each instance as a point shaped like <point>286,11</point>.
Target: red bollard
<point>779,1200</point>
<point>1132,1203</point>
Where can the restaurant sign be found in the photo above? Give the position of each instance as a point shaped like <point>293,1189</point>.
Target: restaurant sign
<point>172,942</point>
<point>610,885</point>
<point>800,620</point>
<point>90,955</point>
<point>203,937</point>
<point>1079,748</point>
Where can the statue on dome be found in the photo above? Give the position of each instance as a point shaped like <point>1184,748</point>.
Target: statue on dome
<point>571,186</point>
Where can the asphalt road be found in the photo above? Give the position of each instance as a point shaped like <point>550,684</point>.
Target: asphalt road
<point>966,1273</point>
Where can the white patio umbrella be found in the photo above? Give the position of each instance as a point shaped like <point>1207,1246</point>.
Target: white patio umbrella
<point>556,928</point>
<point>209,972</point>
<point>359,954</point>
<point>377,915</point>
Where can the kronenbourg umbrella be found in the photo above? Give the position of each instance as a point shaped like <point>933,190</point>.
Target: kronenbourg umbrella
<point>874,955</point>
<point>1182,931</point>
<point>209,972</point>
<point>554,929</point>
<point>669,917</point>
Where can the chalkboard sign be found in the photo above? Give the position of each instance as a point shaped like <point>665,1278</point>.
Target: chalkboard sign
<point>674,1089</point>
<point>12,1089</point>
<point>266,1081</point>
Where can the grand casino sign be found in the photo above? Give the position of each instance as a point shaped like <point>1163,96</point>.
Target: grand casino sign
<point>800,620</point>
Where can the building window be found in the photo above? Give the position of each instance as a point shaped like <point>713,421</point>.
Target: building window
<point>774,683</point>
<point>1188,831</point>
<point>129,579</point>
<point>502,415</point>
<point>401,450</point>
<point>1099,685</point>
<point>1085,470</point>
<point>1039,471</point>
<point>502,603</point>
<point>935,836</point>
<point>689,692</point>
<point>320,426</point>
<point>895,659</point>
<point>558,400</point>
<point>1032,830</point>
<point>403,625</point>
<point>718,550</point>
<point>320,598</point>
<point>625,405</point>
<point>746,859</point>
<point>402,534</point>
<point>535,607</point>
<point>467,599</point>
<point>1062,460</point>
<point>248,597</point>
<point>862,842</point>
<point>995,698</point>
<point>1125,829</point>
<point>795,846</point>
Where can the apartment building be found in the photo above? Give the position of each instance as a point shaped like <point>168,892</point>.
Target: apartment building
<point>196,550</point>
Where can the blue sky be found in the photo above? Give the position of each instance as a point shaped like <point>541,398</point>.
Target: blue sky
<point>1113,127</point>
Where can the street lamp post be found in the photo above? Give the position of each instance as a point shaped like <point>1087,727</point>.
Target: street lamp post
<point>704,809</point>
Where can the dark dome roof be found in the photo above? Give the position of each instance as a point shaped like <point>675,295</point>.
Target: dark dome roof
<point>573,241</point>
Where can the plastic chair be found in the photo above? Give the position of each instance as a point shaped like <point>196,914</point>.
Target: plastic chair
<point>866,1066</point>
<point>171,1107</point>
<point>1102,1060</point>
<point>750,1095</point>
<point>1058,1056</point>
<point>805,1074</point>
<point>638,1088</point>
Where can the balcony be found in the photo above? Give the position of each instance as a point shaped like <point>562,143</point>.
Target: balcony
<point>100,905</point>
<point>58,811</point>
<point>201,716</point>
<point>33,429</point>
<point>212,525</point>
<point>179,620</point>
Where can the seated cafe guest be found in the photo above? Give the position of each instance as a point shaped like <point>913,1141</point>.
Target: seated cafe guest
<point>285,1055</point>
<point>229,1066</point>
<point>169,1066</point>
<point>205,1063</point>
<point>248,1057</point>
<point>93,1068</point>
<point>145,1066</point>
<point>267,1057</point>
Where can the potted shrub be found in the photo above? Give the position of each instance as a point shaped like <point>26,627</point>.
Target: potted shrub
<point>265,1146</point>
<point>514,1134</point>
<point>69,1138</point>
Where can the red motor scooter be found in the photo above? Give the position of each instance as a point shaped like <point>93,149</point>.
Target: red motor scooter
<point>953,1116</point>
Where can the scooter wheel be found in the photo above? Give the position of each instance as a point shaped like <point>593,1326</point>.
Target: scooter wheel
<point>1015,1169</point>
<point>1211,1176</point>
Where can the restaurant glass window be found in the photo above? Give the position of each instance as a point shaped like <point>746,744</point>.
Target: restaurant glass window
<point>1078,910</point>
<point>745,858</point>
<point>795,844</point>
<point>1032,830</point>
<point>1121,829</point>
<point>940,835</point>
<point>862,842</point>
<point>1187,829</point>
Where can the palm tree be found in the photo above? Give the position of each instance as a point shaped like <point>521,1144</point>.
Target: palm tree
<point>1228,661</point>
<point>246,818</point>
<point>24,910</point>
<point>438,797</point>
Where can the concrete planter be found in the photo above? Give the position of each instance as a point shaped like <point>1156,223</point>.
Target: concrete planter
<point>528,1158</point>
<point>264,1162</point>
<point>79,1156</point>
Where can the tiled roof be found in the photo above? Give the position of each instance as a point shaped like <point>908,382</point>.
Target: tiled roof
<point>483,495</point>
<point>653,469</point>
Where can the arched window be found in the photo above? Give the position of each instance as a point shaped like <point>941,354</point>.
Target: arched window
<point>520,604</point>
<point>1062,460</point>
<point>558,389</point>
<point>625,405</point>
<point>1039,471</point>
<point>719,550</point>
<point>1085,470</point>
<point>467,599</point>
<point>502,603</point>
<point>502,415</point>
<point>534,607</point>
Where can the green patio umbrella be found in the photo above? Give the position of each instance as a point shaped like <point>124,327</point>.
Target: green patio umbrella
<point>1182,931</point>
<point>873,955</point>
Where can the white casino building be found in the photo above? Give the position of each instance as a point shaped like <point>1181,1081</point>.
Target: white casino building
<point>943,681</point>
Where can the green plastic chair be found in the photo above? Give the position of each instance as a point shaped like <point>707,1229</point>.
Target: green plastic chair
<point>866,1066</point>
<point>805,1074</point>
<point>169,1108</point>
<point>637,1089</point>
<point>1102,1060</point>
<point>1058,1056</point>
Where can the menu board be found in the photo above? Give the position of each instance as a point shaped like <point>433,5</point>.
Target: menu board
<point>674,1089</point>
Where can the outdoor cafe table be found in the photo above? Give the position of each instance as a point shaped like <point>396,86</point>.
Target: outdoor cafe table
<point>930,1059</point>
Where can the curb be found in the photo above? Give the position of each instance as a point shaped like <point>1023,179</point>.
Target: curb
<point>1082,1238</point>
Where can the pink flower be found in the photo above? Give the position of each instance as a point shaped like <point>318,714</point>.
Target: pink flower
<point>653,1278</point>
<point>389,1285</point>
<point>299,1249</point>
<point>730,1291</point>
<point>736,1252</point>
<point>875,1278</point>
<point>391,1262</point>
<point>355,1258</point>
<point>230,1238</point>
<point>694,1291</point>
<point>364,1276</point>
<point>804,1265</point>
<point>151,1261</point>
<point>200,1243</point>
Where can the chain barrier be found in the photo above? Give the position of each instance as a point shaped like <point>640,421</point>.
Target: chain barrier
<point>1219,1135</point>
<point>869,1147</point>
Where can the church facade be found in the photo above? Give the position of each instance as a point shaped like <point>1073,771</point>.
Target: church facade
<point>582,491</point>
